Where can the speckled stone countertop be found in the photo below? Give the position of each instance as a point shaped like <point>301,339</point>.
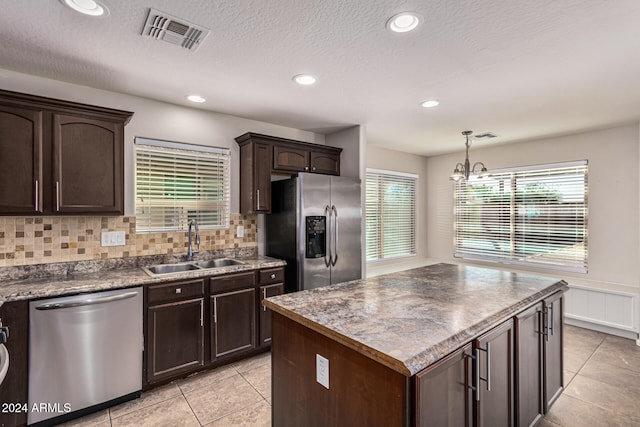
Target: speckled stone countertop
<point>114,278</point>
<point>411,319</point>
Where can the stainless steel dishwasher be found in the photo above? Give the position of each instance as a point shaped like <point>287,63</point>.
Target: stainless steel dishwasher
<point>85,353</point>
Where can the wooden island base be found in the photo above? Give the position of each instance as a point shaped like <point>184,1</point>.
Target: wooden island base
<point>361,390</point>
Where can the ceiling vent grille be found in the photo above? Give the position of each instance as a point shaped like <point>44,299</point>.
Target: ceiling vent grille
<point>162,26</point>
<point>486,135</point>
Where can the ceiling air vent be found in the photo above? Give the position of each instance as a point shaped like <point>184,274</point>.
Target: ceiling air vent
<point>486,135</point>
<point>162,26</point>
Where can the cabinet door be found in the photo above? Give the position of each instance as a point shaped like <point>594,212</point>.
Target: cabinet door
<point>290,159</point>
<point>175,338</point>
<point>265,313</point>
<point>20,160</point>
<point>327,163</point>
<point>528,359</point>
<point>87,165</point>
<point>14,389</point>
<point>262,178</point>
<point>494,362</point>
<point>233,327</point>
<point>443,393</point>
<point>553,368</point>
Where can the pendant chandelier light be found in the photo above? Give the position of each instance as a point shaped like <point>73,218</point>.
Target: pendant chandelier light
<point>462,172</point>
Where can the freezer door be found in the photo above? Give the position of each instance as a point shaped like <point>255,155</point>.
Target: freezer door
<point>314,194</point>
<point>345,229</point>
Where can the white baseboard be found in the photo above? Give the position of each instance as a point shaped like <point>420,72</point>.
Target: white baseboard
<point>603,307</point>
<point>602,328</point>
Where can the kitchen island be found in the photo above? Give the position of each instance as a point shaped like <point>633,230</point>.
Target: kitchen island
<point>413,348</point>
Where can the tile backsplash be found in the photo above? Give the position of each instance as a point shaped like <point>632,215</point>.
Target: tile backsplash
<point>50,239</point>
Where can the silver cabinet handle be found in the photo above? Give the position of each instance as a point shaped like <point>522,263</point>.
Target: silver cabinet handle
<point>88,301</point>
<point>335,234</point>
<point>551,319</point>
<point>306,168</point>
<point>475,379</point>
<point>488,367</point>
<point>215,310</point>
<point>545,323</point>
<point>58,196</point>
<point>178,291</point>
<point>487,379</point>
<point>202,312</point>
<point>477,376</point>
<point>37,196</point>
<point>273,276</point>
<point>264,295</point>
<point>258,201</point>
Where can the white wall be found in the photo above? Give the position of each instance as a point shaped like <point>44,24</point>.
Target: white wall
<point>614,205</point>
<point>154,119</point>
<point>382,158</point>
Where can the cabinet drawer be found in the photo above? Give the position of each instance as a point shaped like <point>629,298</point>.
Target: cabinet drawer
<point>271,275</point>
<point>232,281</point>
<point>175,291</point>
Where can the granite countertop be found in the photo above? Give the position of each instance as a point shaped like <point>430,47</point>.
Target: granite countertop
<point>411,319</point>
<point>114,278</point>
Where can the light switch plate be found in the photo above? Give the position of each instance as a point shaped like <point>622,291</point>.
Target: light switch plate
<point>112,238</point>
<point>240,231</point>
<point>322,371</point>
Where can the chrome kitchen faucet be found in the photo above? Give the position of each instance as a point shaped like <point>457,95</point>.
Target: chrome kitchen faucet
<point>190,251</point>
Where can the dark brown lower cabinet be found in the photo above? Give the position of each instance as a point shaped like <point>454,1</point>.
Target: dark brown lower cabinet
<point>14,388</point>
<point>175,338</point>
<point>552,343</point>
<point>233,324</point>
<point>494,370</point>
<point>265,313</point>
<point>529,361</point>
<point>443,392</point>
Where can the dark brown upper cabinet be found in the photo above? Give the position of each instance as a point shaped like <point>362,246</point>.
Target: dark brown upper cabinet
<point>262,156</point>
<point>59,157</point>
<point>20,160</point>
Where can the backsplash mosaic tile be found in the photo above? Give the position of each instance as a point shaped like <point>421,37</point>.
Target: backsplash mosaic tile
<point>49,239</point>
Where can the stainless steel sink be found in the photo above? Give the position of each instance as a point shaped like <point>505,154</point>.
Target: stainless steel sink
<point>161,269</point>
<point>169,268</point>
<point>223,262</point>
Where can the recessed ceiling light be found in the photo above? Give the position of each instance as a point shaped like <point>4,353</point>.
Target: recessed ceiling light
<point>88,7</point>
<point>196,98</point>
<point>403,22</point>
<point>304,79</point>
<point>430,103</point>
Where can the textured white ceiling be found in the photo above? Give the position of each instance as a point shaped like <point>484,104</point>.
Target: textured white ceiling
<point>519,68</point>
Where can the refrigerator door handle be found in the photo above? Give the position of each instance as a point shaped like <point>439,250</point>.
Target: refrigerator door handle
<point>327,214</point>
<point>335,235</point>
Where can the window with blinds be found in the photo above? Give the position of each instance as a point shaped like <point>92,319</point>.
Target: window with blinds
<point>390,214</point>
<point>177,182</point>
<point>532,215</point>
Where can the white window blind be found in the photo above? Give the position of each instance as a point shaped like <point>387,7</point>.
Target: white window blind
<point>178,182</point>
<point>390,214</point>
<point>533,215</point>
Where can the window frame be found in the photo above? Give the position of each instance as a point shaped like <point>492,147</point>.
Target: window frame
<point>216,172</point>
<point>380,221</point>
<point>516,237</point>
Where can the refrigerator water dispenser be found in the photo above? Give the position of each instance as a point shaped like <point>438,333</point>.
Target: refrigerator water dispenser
<point>315,236</point>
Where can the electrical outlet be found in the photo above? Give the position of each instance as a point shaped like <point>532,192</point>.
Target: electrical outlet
<point>112,238</point>
<point>240,231</point>
<point>322,371</point>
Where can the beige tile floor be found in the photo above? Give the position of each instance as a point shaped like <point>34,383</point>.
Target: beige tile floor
<point>602,388</point>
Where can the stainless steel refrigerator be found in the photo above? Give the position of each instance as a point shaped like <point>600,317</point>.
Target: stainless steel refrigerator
<point>315,225</point>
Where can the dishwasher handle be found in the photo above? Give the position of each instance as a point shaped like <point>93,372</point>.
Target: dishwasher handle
<point>88,301</point>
